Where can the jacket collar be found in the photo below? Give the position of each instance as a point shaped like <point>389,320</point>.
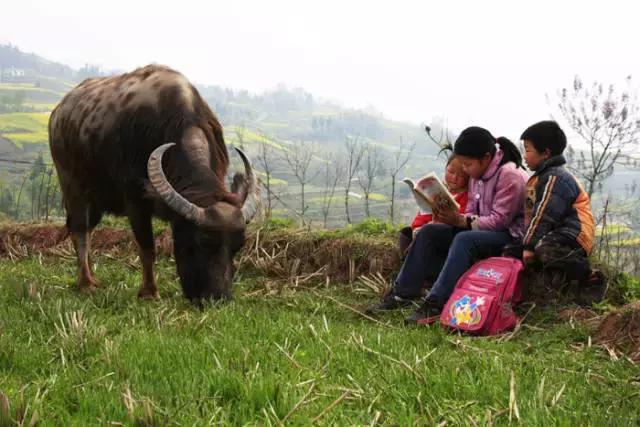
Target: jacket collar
<point>558,160</point>
<point>493,166</point>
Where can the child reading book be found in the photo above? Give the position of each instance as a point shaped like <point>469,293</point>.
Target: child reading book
<point>456,182</point>
<point>494,217</point>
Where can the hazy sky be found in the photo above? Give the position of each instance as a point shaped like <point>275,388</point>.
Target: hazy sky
<point>488,63</point>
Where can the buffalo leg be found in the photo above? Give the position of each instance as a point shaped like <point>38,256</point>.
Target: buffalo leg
<point>141,224</point>
<point>80,221</point>
<point>82,244</point>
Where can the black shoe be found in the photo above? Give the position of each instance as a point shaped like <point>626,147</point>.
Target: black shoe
<point>391,301</point>
<point>593,290</point>
<point>426,314</point>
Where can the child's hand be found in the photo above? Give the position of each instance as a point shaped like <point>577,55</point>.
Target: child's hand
<point>528,256</point>
<point>451,217</point>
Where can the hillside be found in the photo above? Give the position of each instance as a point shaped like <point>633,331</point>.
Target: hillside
<point>277,121</point>
<point>30,86</point>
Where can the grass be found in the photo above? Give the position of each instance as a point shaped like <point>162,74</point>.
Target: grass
<point>288,355</point>
<point>27,87</point>
<point>612,230</point>
<point>23,122</point>
<point>250,137</point>
<point>25,128</point>
<point>377,197</point>
<point>20,139</point>
<point>32,94</point>
<point>630,242</point>
<point>41,106</point>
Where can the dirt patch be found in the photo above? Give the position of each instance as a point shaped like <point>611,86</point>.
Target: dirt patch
<point>21,241</point>
<point>579,314</point>
<point>18,241</point>
<point>620,330</point>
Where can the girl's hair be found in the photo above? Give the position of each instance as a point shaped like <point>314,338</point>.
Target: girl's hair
<point>475,142</point>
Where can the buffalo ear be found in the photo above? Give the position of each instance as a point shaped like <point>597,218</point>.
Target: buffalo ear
<point>239,184</point>
<point>150,193</point>
<point>250,191</point>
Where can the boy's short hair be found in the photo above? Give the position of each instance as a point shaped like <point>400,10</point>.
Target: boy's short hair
<point>546,134</point>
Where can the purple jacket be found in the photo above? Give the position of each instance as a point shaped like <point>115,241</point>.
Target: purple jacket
<point>497,199</point>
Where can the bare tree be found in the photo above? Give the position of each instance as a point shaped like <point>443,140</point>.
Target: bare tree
<point>398,162</point>
<point>354,152</point>
<point>444,140</point>
<point>299,156</point>
<point>608,120</point>
<point>267,161</point>
<point>372,167</point>
<point>332,172</point>
<point>17,208</point>
<point>46,197</point>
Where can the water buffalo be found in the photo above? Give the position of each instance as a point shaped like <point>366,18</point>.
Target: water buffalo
<point>145,144</point>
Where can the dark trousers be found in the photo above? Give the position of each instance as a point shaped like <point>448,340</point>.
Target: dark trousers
<point>443,253</point>
<point>559,257</point>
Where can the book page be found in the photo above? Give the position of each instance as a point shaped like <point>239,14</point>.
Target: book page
<point>435,191</point>
<point>423,205</point>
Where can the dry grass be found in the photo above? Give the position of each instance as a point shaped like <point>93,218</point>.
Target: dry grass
<point>301,257</point>
<point>620,331</point>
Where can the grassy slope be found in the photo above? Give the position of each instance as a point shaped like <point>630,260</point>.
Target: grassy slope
<point>253,360</point>
<point>25,128</point>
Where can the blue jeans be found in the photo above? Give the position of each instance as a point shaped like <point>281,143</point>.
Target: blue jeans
<point>443,253</point>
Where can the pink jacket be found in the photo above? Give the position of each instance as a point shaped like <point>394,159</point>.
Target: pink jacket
<point>497,199</point>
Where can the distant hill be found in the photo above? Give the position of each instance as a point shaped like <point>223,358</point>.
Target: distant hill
<point>31,86</point>
<point>18,65</point>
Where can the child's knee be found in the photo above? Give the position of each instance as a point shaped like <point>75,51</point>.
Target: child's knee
<point>463,240</point>
<point>549,253</point>
<point>427,231</point>
<point>542,254</point>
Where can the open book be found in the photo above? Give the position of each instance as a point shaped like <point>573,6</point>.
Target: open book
<point>429,191</point>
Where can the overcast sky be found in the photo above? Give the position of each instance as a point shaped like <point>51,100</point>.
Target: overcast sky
<point>488,63</point>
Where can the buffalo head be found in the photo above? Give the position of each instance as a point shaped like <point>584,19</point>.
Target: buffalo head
<point>206,239</point>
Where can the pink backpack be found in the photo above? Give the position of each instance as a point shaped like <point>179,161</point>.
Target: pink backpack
<point>482,301</point>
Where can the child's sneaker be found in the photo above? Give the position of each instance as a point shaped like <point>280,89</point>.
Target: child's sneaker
<point>391,301</point>
<point>428,313</point>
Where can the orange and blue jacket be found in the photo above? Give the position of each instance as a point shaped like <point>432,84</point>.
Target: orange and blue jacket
<point>557,203</point>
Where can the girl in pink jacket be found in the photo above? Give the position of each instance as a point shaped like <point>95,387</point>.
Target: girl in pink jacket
<point>494,217</point>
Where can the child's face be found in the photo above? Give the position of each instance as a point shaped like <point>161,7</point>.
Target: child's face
<point>532,157</point>
<point>454,176</point>
<point>475,168</point>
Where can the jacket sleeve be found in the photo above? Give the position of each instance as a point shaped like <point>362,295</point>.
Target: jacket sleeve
<point>462,199</point>
<point>507,203</point>
<point>553,197</point>
<point>471,208</point>
<point>421,219</point>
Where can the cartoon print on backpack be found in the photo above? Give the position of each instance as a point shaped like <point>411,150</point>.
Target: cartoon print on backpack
<point>465,311</point>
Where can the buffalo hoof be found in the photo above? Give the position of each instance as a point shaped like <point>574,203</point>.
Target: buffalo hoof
<point>88,289</point>
<point>148,294</point>
<point>87,285</point>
